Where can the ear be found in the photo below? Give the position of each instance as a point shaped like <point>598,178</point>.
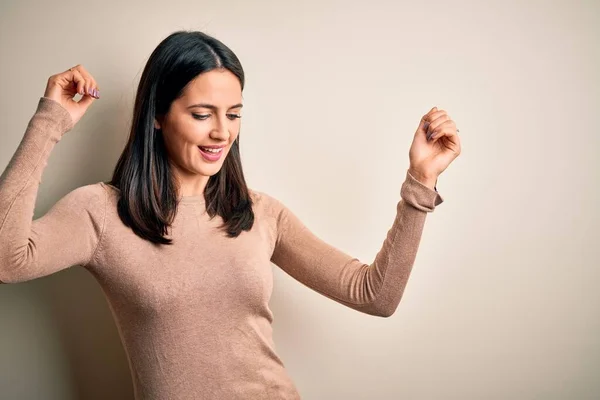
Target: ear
<point>158,121</point>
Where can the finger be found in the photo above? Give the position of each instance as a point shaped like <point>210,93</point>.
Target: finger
<point>447,130</point>
<point>82,80</point>
<point>430,116</point>
<point>84,85</point>
<point>424,124</point>
<point>91,87</point>
<point>437,122</point>
<point>436,115</point>
<point>86,101</point>
<point>445,125</point>
<point>451,140</point>
<point>79,81</point>
<point>87,81</point>
<point>88,85</point>
<point>95,89</point>
<point>427,117</point>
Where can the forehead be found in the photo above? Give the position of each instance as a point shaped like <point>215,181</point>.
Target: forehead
<point>219,87</point>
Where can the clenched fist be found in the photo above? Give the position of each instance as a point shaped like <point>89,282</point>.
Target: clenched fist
<point>435,145</point>
<point>63,87</point>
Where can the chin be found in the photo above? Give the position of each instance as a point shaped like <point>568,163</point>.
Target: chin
<point>210,170</point>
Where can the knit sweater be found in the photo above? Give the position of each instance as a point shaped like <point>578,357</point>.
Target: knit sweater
<point>194,317</point>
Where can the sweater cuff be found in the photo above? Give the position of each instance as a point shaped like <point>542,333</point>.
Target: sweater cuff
<point>59,114</point>
<point>418,195</point>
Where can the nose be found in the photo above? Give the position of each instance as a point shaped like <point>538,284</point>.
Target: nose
<point>220,131</point>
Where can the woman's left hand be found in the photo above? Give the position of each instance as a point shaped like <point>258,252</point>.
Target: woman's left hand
<point>435,145</point>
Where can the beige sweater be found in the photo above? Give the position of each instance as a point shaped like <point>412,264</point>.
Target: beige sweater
<point>193,317</point>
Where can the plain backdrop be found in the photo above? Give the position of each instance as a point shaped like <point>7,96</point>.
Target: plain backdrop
<point>503,300</point>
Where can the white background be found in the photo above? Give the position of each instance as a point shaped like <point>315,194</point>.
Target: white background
<point>503,300</point>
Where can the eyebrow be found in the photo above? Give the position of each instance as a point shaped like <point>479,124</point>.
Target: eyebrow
<point>213,107</point>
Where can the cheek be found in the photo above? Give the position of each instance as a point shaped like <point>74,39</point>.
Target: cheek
<point>193,132</point>
<point>236,129</point>
<point>182,140</point>
<point>232,139</point>
<point>189,135</point>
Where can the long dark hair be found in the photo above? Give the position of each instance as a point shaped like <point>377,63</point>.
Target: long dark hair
<point>148,193</point>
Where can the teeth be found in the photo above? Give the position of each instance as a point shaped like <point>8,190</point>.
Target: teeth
<point>212,150</point>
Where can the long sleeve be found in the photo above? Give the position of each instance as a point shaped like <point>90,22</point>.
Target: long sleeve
<point>375,289</point>
<point>69,232</point>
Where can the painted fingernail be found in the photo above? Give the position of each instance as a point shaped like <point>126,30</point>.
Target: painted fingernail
<point>90,92</point>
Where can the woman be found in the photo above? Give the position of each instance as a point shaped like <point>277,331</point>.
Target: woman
<point>180,245</point>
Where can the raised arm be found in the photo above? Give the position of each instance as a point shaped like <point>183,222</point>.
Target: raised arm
<point>374,289</point>
<point>377,288</point>
<point>69,232</point>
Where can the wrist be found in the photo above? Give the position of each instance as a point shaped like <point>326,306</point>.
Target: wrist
<point>427,180</point>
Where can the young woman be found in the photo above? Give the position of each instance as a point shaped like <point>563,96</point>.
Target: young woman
<point>180,245</point>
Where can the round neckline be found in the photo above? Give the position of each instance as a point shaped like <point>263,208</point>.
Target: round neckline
<point>197,199</point>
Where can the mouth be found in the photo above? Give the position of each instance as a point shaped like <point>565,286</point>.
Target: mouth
<point>211,153</point>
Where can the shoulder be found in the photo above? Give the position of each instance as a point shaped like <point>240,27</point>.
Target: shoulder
<point>113,194</point>
<point>281,218</point>
<point>91,197</point>
<point>263,199</point>
<point>111,191</point>
<point>91,193</point>
<point>86,202</point>
<point>266,204</point>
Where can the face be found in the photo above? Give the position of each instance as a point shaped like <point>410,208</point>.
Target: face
<point>200,128</point>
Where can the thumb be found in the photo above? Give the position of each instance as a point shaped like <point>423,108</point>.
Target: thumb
<point>85,102</point>
<point>78,108</point>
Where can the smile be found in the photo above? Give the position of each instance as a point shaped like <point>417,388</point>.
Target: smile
<point>211,150</point>
<point>211,154</point>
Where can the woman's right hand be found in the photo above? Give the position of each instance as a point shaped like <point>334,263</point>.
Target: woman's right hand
<point>64,86</point>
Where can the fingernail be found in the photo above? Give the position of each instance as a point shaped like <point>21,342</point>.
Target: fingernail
<point>90,92</point>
